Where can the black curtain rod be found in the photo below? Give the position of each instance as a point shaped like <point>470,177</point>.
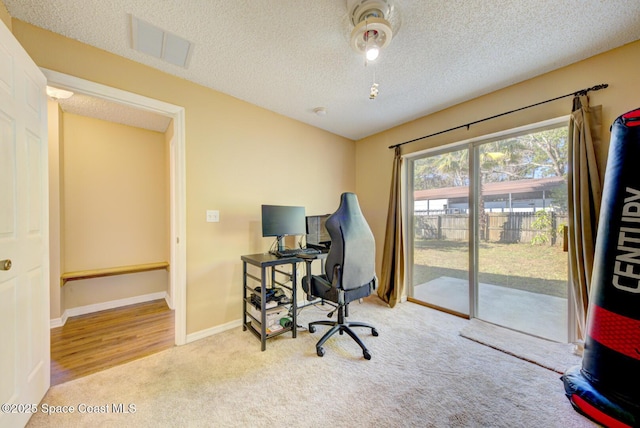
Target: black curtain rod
<point>467,125</point>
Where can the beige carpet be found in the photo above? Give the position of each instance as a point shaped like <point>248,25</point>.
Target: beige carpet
<point>551,355</point>
<point>422,374</point>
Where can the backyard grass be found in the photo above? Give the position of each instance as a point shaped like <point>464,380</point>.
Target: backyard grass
<point>536,268</point>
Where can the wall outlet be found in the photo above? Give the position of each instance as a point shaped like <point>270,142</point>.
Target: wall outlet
<point>213,216</point>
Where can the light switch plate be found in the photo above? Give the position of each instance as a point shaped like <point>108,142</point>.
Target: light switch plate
<point>213,216</point>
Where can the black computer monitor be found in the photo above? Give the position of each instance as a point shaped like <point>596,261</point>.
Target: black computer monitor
<point>317,234</point>
<point>280,221</point>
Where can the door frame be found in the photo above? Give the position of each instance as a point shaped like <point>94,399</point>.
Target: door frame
<point>177,167</point>
<point>472,144</point>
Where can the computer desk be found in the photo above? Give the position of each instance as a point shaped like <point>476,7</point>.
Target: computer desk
<point>270,265</point>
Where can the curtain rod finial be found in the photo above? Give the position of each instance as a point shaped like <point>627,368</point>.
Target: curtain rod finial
<point>598,87</point>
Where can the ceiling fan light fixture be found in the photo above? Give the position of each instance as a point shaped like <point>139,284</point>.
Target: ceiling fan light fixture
<point>372,48</point>
<point>370,36</point>
<point>359,10</point>
<point>372,53</point>
<point>374,24</point>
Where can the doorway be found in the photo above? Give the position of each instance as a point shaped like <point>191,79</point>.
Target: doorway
<point>486,217</point>
<point>177,272</point>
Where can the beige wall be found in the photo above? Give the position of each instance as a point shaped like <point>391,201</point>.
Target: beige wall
<point>115,194</point>
<point>236,157</point>
<point>618,68</point>
<point>115,204</point>
<point>4,15</point>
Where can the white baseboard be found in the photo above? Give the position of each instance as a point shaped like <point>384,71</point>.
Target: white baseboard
<point>97,307</point>
<point>58,322</point>
<point>213,330</point>
<point>169,299</point>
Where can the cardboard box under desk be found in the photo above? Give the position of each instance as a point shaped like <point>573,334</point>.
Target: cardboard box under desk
<point>273,314</point>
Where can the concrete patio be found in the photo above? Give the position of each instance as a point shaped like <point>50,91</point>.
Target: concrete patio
<point>532,313</point>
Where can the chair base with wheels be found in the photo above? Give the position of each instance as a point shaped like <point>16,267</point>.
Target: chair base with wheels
<point>342,327</point>
<point>319,286</point>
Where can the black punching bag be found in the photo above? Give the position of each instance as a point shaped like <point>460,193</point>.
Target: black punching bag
<point>607,388</point>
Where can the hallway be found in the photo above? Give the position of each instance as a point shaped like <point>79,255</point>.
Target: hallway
<point>91,343</point>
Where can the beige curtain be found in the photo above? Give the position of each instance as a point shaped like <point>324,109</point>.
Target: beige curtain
<point>585,195</point>
<point>392,281</point>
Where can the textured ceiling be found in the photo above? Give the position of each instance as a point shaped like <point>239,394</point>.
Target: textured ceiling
<point>291,56</point>
<point>86,105</point>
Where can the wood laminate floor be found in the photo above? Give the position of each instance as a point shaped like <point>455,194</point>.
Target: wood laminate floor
<point>90,343</point>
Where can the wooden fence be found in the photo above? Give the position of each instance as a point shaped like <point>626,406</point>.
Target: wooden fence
<point>494,227</point>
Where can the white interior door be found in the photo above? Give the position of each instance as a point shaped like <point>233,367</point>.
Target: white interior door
<point>24,282</point>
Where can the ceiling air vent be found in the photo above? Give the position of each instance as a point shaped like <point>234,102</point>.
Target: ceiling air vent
<point>155,41</point>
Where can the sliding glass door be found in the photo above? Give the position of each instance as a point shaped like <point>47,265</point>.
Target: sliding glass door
<point>522,207</point>
<point>511,192</point>
<point>441,231</point>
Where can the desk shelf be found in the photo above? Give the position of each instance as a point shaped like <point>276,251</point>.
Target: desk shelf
<point>253,318</point>
<point>269,266</point>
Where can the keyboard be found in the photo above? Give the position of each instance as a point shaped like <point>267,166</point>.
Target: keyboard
<point>296,251</point>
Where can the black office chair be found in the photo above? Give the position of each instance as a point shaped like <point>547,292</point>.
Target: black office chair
<point>350,270</point>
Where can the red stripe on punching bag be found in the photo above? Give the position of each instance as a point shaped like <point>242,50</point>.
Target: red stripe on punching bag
<point>615,331</point>
<point>632,118</point>
<point>597,414</point>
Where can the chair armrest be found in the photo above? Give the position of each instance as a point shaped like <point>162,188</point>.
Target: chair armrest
<point>336,281</point>
<point>308,261</point>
